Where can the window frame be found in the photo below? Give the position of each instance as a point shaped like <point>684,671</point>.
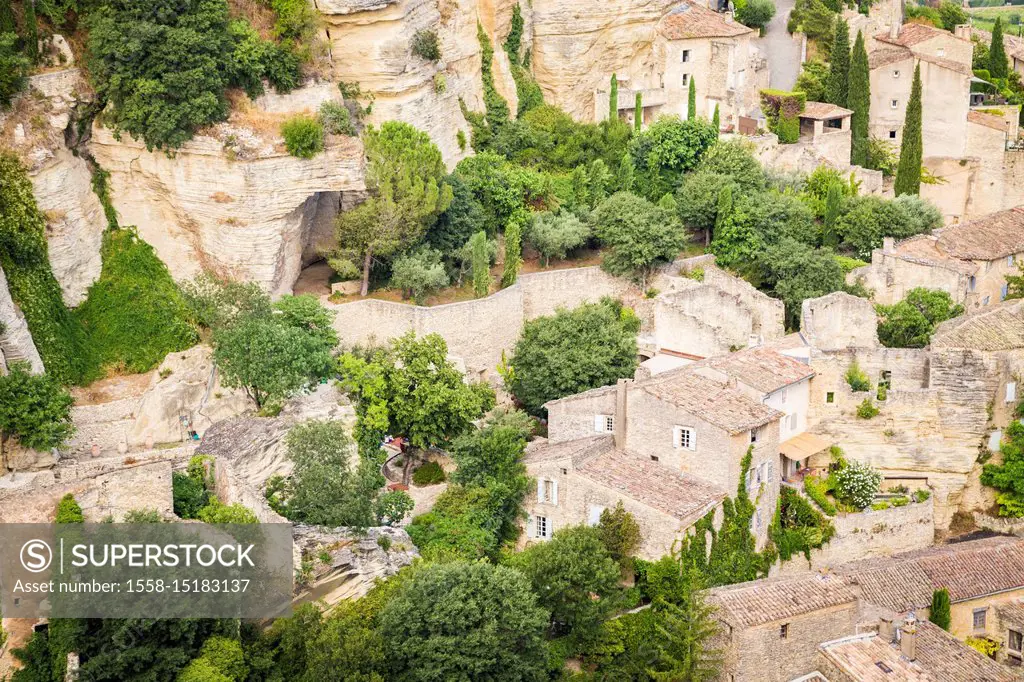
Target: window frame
<point>983,612</point>
<point>687,434</point>
<point>542,527</point>
<point>685,57</point>
<point>894,104</point>
<point>686,80</point>
<point>784,631</point>
<point>830,397</point>
<point>893,134</point>
<point>1010,632</point>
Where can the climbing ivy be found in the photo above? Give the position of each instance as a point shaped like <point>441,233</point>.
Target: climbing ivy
<point>527,90</point>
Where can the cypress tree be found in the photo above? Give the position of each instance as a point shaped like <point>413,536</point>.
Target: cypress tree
<point>638,114</point>
<point>833,205</point>
<point>513,249</point>
<point>939,613</point>
<point>31,31</point>
<point>691,100</point>
<point>613,99</point>
<point>624,178</point>
<point>716,121</point>
<point>908,173</point>
<point>859,100</point>
<point>7,24</point>
<point>724,209</point>
<point>837,84</point>
<point>997,63</point>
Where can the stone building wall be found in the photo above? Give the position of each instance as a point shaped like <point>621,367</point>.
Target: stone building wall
<point>574,418</point>
<point>891,278</point>
<point>701,320</point>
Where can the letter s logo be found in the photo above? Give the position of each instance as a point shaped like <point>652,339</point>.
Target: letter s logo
<point>36,556</point>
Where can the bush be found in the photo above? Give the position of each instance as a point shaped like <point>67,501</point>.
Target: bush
<point>911,322</point>
<point>867,410</point>
<point>782,109</point>
<point>303,136</point>
<point>817,491</point>
<point>756,13</point>
<point>217,512</point>
<point>922,495</point>
<point>857,484</point>
<point>428,473</point>
<point>336,119</point>
<point>189,495</point>
<point>425,44</point>
<point>13,69</point>
<point>798,527</point>
<point>68,510</point>
<point>900,501</point>
<point>857,379</point>
<point>419,273</point>
<point>555,235</point>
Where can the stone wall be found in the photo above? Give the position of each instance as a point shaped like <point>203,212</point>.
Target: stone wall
<point>839,321</point>
<point>869,534</point>
<point>16,344</point>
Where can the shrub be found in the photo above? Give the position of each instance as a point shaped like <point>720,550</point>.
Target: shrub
<point>901,501</point>
<point>857,379</point>
<point>922,495</point>
<point>440,83</point>
<point>303,136</point>
<point>939,613</point>
<point>756,13</point>
<point>857,483</point>
<point>13,69</point>
<point>984,645</point>
<point>817,491</point>
<point>419,273</point>
<point>555,235</point>
<point>68,510</point>
<point>867,410</point>
<point>797,526</point>
<point>384,542</point>
<point>428,473</point>
<point>782,109</point>
<point>189,495</point>
<point>425,44</point>
<point>336,119</point>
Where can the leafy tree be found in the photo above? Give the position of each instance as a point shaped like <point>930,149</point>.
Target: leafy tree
<point>638,234</point>
<point>910,323</point>
<point>756,13</point>
<point>624,176</point>
<point>405,176</point>
<point>812,79</point>
<point>575,577</point>
<point>691,99</point>
<point>952,14</point>
<point>1008,477</point>
<point>34,410</point>
<point>697,200</point>
<point>572,351</point>
<point>979,58</point>
<point>490,454</point>
<point>419,273</point>
<point>220,658</point>
<point>218,303</point>
<point>513,247</point>
<point>464,621</point>
<point>667,149</point>
<point>725,207</point>
<point>303,136</point>
<point>32,31</point>
<point>393,506</point>
<point>555,235</point>
<point>795,271</point>
<point>837,86</point>
<point>7,23</point>
<point>867,220</point>
<point>189,494</point>
<point>939,612</point>
<point>734,159</point>
<point>69,511</point>
<point>410,388</point>
<point>998,66</point>
<point>771,217</point>
<point>685,632</point>
<point>463,218</point>
<point>481,264</point>
<point>13,66</point>
<point>908,174</point>
<point>859,101</point>
<point>620,534</point>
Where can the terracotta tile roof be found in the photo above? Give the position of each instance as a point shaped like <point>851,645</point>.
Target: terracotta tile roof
<point>998,328</point>
<point>924,249</point>
<point>1014,45</point>
<point>822,111</point>
<point>990,237</point>
<point>690,20</point>
<point>652,484</point>
<point>592,393</point>
<point>884,56</point>
<point>764,369</point>
<point>914,34</point>
<point>959,67</point>
<point>988,120</point>
<point>710,400</point>
<point>765,601</point>
<point>968,570</point>
<point>940,658</point>
<point>577,450</point>
<point>1012,612</point>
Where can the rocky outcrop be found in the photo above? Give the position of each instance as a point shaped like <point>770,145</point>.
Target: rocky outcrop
<point>230,201</point>
<point>16,343</point>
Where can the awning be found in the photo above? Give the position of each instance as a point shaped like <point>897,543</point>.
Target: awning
<point>803,446</point>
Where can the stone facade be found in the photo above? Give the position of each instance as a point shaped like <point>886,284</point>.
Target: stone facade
<point>16,344</point>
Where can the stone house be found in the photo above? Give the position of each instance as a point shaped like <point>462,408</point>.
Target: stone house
<point>694,41</point>
<point>770,629</point>
<point>969,261</point>
<point>826,128</point>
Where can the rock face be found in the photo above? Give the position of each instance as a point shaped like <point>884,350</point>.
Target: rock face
<point>16,343</point>
<point>230,203</point>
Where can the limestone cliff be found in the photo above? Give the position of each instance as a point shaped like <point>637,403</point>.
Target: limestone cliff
<point>16,343</point>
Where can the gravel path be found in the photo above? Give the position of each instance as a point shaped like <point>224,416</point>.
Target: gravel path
<point>782,51</point>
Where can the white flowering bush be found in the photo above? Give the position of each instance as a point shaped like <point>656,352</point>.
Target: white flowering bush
<point>857,483</point>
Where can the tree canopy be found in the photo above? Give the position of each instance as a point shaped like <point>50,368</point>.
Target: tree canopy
<point>910,323</point>
<point>35,410</point>
<point>639,235</point>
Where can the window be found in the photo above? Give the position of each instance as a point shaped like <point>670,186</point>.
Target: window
<point>972,283</point>
<point>985,300</point>
<point>1009,261</point>
<point>1004,292</point>
<point>655,458</point>
<point>1014,641</point>
<point>782,396</point>
<point>1011,391</point>
<point>594,517</point>
<point>892,134</point>
<point>792,421</point>
<point>753,435</point>
<point>686,80</point>
<point>686,438</point>
<point>604,423</point>
<point>547,491</point>
<point>784,631</point>
<point>830,397</point>
<point>543,527</point>
<point>896,73</point>
<point>979,618</point>
<point>941,52</point>
<point>686,56</point>
<point>894,104</point>
<point>883,667</point>
<point>565,472</point>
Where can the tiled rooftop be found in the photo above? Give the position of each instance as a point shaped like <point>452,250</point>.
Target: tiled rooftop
<point>762,368</point>
<point>715,402</point>
<point>998,328</point>
<point>577,450</point>
<point>913,34</point>
<point>999,123</point>
<point>690,20</point>
<point>990,237</point>
<point>940,658</point>
<point>822,111</point>
<point>1012,613</point>
<point>884,56</point>
<point>766,601</point>
<point>924,249</point>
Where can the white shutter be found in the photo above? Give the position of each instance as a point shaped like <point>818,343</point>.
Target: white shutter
<point>530,527</point>
<point>540,490</point>
<point>1011,391</point>
<point>554,493</point>
<point>595,514</point>
<point>693,439</point>
<point>599,423</point>
<point>676,436</point>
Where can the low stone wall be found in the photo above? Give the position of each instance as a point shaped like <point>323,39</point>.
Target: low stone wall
<point>870,534</point>
<point>1007,526</point>
<point>230,488</point>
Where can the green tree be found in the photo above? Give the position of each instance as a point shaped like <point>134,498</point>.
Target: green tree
<point>418,273</point>
<point>908,173</point>
<point>405,177</point>
<point>638,112</point>
<point>576,580</point>
<point>462,621</point>
<point>481,264</point>
<point>411,388</point>
<point>572,351</point>
<point>837,85</point>
<point>489,454</point>
<point>13,66</point>
<point>795,271</point>
<point>216,512</point>
<point>555,235</point>
<point>69,511</point>
<point>32,31</point>
<point>725,207</point>
<point>613,99</point>
<point>668,148</point>
<point>998,66</point>
<point>624,177</point>
<point>7,23</point>
<point>859,101</point>
<point>686,630</point>
<point>833,206</point>
<point>35,411</point>
<point>220,658</point>
<point>910,323</point>
<point>691,99</point>
<point>716,120</point>
<point>620,534</point>
<point>952,14</point>
<point>1008,477</point>
<point>756,13</point>
<point>638,234</point>
<point>697,200</point>
<point>939,612</point>
<point>513,247</point>
<point>392,507</point>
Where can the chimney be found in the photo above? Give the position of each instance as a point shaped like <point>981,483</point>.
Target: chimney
<point>888,243</point>
<point>619,434</point>
<point>895,18</point>
<point>962,31</point>
<point>886,632</point>
<point>908,637</point>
